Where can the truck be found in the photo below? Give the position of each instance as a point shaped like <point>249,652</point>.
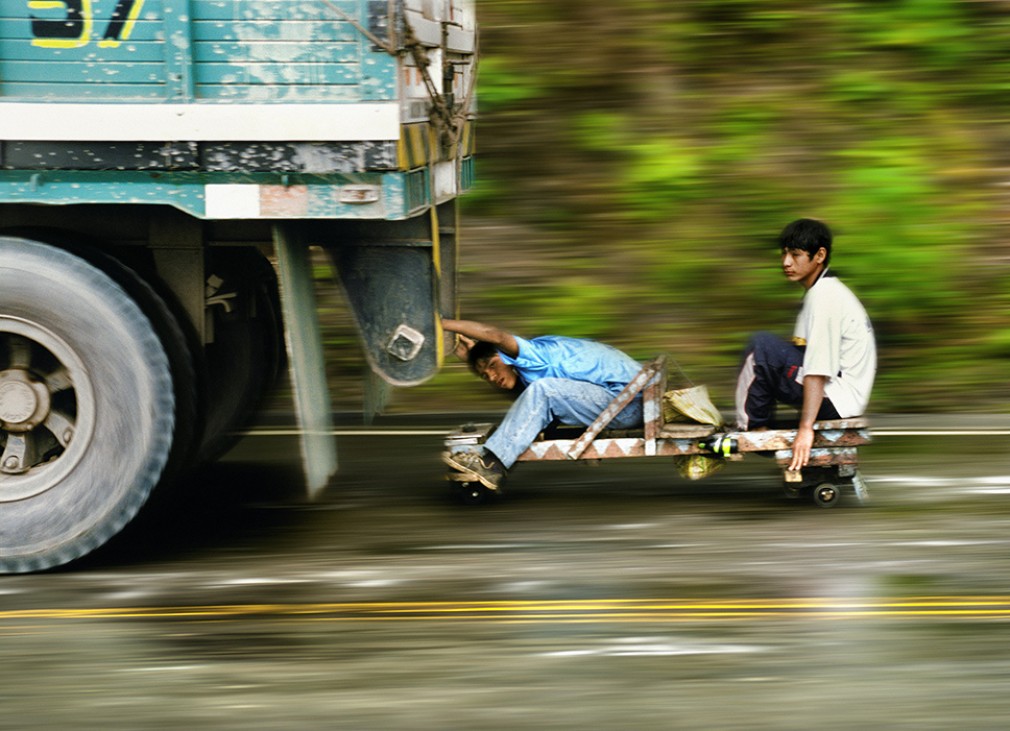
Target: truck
<point>168,168</point>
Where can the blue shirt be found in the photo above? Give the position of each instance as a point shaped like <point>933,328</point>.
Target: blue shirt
<point>554,356</point>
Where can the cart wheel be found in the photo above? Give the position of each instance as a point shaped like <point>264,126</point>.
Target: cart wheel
<point>826,495</point>
<point>472,493</point>
<point>792,491</point>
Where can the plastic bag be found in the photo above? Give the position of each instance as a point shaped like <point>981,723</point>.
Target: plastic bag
<point>691,405</point>
<point>698,466</point>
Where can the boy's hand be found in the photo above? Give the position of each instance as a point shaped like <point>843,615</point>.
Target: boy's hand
<point>463,345</point>
<point>801,448</point>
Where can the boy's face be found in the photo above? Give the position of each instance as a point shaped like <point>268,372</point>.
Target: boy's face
<point>800,267</point>
<point>495,372</point>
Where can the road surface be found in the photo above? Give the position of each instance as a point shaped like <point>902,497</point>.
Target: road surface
<point>609,597</point>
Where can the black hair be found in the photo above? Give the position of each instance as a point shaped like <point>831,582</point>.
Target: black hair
<point>481,350</point>
<point>809,235</point>
<point>484,351</point>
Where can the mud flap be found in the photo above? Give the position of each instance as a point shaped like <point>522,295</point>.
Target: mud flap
<point>305,359</point>
<point>392,274</point>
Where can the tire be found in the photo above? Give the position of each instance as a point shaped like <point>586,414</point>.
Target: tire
<point>245,359</point>
<point>79,353</point>
<point>826,495</point>
<point>165,315</point>
<point>473,493</point>
<point>791,491</point>
<point>135,273</point>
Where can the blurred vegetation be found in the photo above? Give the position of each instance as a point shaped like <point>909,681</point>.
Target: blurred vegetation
<point>637,159</point>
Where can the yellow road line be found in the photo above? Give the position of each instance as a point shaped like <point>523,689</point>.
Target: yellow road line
<point>607,610</point>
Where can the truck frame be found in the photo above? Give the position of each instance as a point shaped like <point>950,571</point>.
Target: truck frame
<point>165,167</point>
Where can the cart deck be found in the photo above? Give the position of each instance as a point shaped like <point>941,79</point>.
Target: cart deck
<point>832,470</point>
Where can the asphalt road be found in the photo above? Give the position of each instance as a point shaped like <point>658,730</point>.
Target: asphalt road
<point>613,597</point>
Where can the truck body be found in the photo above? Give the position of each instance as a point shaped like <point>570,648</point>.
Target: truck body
<point>165,167</point>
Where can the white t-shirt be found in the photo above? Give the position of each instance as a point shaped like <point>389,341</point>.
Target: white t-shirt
<point>839,344</point>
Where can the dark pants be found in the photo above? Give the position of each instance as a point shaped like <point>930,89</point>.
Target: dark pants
<point>771,373</point>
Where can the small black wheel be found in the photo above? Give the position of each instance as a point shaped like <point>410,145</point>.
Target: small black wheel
<point>826,495</point>
<point>472,493</point>
<point>792,490</point>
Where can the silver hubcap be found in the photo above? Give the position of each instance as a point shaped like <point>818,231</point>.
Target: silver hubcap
<point>24,403</point>
<point>46,409</point>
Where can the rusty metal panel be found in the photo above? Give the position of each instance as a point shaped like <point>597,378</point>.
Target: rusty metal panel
<point>775,439</point>
<point>603,448</point>
<point>625,397</point>
<point>822,457</point>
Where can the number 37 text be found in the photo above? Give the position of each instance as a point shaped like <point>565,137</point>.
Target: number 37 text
<point>71,23</point>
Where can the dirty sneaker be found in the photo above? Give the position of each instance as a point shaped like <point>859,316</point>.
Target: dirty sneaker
<point>485,468</point>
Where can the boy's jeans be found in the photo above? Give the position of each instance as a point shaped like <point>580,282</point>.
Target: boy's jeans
<point>569,402</point>
<point>772,372</point>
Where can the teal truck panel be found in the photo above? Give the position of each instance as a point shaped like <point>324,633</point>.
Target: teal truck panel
<point>173,101</point>
<point>191,50</point>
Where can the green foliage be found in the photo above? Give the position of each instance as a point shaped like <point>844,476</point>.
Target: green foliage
<point>888,196</point>
<point>502,85</point>
<point>576,306</point>
<point>600,130</point>
<point>935,33</point>
<point>658,171</point>
<point>661,173</point>
<point>664,145</point>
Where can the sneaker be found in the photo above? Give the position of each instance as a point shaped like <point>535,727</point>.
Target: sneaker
<point>485,468</point>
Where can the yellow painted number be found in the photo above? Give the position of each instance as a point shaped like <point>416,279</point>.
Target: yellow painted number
<point>124,17</point>
<point>75,28</point>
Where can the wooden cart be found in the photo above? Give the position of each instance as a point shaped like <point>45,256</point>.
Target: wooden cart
<point>831,473</point>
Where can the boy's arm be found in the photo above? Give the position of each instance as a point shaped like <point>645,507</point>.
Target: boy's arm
<point>501,339</point>
<point>813,397</point>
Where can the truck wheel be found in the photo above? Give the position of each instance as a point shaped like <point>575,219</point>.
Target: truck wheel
<point>245,359</point>
<point>87,408</point>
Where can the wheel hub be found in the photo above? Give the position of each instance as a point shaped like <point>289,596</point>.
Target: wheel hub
<point>47,410</point>
<point>24,403</point>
